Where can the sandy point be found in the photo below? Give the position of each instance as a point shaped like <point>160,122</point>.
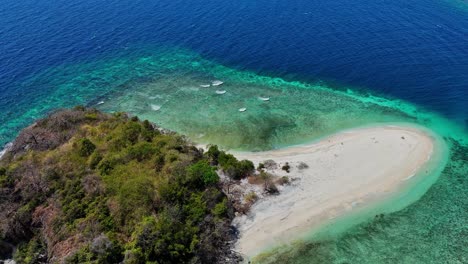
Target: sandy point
<point>348,170</point>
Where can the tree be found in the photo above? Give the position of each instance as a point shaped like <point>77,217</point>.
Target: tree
<point>202,174</point>
<point>213,154</point>
<point>234,168</point>
<point>86,147</point>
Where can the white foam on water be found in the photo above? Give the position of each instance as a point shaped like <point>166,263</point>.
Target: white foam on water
<point>155,107</point>
<point>205,85</point>
<point>155,97</point>
<point>216,83</point>
<point>141,94</point>
<point>220,91</point>
<point>409,177</point>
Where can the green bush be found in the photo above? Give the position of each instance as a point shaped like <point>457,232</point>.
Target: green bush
<point>220,209</point>
<point>94,159</point>
<point>201,174</point>
<point>165,240</point>
<point>106,166</point>
<point>86,147</point>
<point>213,154</point>
<point>30,253</point>
<point>261,167</point>
<point>131,132</point>
<point>284,180</point>
<point>141,151</point>
<point>195,208</point>
<point>246,167</point>
<point>234,168</point>
<point>4,179</point>
<point>91,116</point>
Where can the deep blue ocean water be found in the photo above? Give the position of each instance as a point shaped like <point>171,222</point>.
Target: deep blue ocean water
<point>413,50</point>
<point>406,49</point>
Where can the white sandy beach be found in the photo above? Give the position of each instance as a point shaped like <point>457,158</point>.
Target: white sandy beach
<point>346,170</point>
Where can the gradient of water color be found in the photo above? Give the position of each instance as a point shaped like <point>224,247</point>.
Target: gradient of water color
<point>326,66</point>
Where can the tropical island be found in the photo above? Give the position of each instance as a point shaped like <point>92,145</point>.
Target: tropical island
<point>83,186</point>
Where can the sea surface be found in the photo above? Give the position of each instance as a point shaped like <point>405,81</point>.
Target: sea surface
<point>301,69</point>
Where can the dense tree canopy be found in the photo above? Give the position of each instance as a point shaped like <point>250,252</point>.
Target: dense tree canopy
<point>85,187</point>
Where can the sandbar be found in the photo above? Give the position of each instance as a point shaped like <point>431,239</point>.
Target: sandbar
<point>345,171</point>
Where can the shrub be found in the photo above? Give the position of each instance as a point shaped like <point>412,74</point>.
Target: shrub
<point>251,197</point>
<point>213,154</point>
<point>260,167</point>
<point>147,125</point>
<point>148,131</point>
<point>234,168</point>
<point>265,176</point>
<point>94,159</point>
<point>271,188</point>
<point>31,252</point>
<point>246,167</point>
<point>4,179</point>
<point>220,209</point>
<point>302,165</point>
<point>159,162</point>
<point>195,208</point>
<point>283,180</point>
<point>286,167</point>
<point>106,250</point>
<point>86,147</point>
<point>270,164</point>
<point>91,116</point>
<point>165,240</point>
<point>201,174</point>
<point>106,166</point>
<point>141,151</point>
<point>268,184</point>
<point>131,132</point>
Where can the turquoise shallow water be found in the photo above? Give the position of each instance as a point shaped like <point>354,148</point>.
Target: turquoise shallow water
<point>165,86</point>
<point>326,66</point>
<point>300,112</point>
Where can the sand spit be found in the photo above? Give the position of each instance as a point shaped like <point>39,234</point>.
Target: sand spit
<point>344,171</point>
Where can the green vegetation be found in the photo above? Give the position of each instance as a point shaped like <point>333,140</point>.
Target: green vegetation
<point>229,164</point>
<point>260,167</point>
<point>268,184</point>
<point>283,180</point>
<point>84,187</point>
<point>86,147</point>
<point>251,197</point>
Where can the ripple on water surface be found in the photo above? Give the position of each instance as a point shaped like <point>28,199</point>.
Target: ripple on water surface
<point>177,89</point>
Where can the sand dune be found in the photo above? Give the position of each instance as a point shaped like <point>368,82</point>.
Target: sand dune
<point>346,171</point>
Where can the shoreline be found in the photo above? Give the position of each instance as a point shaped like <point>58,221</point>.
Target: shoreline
<point>350,173</point>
